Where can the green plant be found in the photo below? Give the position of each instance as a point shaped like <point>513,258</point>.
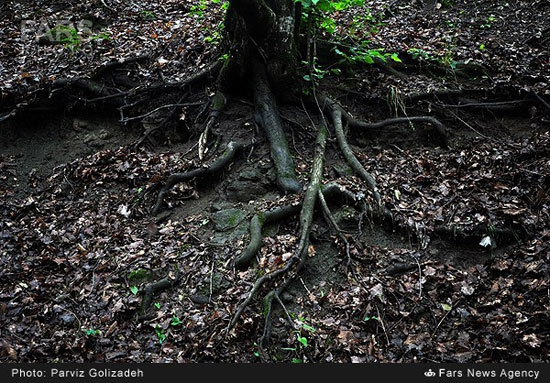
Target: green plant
<point>367,21</point>
<point>198,10</point>
<point>157,305</point>
<point>134,289</point>
<point>488,22</point>
<point>66,35</point>
<point>364,55</point>
<point>92,332</point>
<point>148,15</point>
<point>103,35</point>
<point>159,332</point>
<point>175,321</point>
<point>447,59</point>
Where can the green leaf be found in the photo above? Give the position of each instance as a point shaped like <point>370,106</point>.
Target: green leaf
<point>175,321</point>
<point>396,58</point>
<point>302,340</point>
<point>297,360</point>
<point>308,327</point>
<point>157,305</point>
<point>446,307</point>
<point>134,290</point>
<point>92,332</point>
<point>160,334</point>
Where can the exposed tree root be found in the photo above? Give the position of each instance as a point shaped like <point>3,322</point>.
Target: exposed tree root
<point>414,97</point>
<point>149,292</point>
<point>499,236</point>
<point>215,167</point>
<point>210,71</point>
<point>498,106</point>
<point>335,112</point>
<point>256,225</point>
<point>267,115</point>
<point>306,218</point>
<point>261,219</point>
<point>439,127</point>
<point>332,222</point>
<point>388,68</point>
<point>218,103</point>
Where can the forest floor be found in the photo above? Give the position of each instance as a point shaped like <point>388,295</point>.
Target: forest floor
<point>461,275</point>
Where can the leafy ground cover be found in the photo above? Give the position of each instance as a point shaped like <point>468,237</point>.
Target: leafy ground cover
<point>460,275</point>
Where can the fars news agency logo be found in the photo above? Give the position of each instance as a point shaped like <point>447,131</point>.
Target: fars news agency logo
<point>429,374</point>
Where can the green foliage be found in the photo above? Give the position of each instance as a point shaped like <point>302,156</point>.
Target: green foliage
<point>365,55</point>
<point>489,22</point>
<point>93,332</point>
<point>66,35</point>
<point>316,15</point>
<point>317,12</point>
<point>175,321</point>
<point>301,339</point>
<point>159,332</point>
<point>103,35</point>
<point>148,15</point>
<point>157,305</point>
<point>134,290</point>
<point>446,59</point>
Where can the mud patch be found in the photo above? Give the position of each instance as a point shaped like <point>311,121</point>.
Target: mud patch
<point>40,143</point>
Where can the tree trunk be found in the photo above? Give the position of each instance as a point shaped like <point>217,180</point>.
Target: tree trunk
<point>262,31</point>
<point>261,36</point>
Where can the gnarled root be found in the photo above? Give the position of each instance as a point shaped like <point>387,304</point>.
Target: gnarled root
<point>151,289</point>
<point>278,214</point>
<point>306,218</point>
<point>335,112</point>
<point>438,126</point>
<point>215,167</point>
<point>218,103</point>
<point>256,225</point>
<point>267,115</point>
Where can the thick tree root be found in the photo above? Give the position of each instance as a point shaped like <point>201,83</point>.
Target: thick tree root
<point>215,167</point>
<point>149,292</point>
<point>261,219</point>
<point>335,112</point>
<point>267,115</point>
<point>306,218</point>
<point>256,225</point>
